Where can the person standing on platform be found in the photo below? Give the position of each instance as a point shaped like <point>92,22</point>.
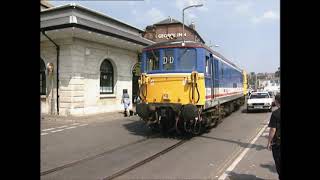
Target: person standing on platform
<point>126,102</point>
<point>274,134</point>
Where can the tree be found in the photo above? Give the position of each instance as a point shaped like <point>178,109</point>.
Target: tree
<point>252,79</point>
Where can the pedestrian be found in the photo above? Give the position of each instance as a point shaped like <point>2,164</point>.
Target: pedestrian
<point>137,100</point>
<point>126,102</point>
<point>274,134</point>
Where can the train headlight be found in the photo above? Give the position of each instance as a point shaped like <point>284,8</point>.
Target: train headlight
<point>165,97</point>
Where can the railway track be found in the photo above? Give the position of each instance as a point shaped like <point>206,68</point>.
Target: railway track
<point>125,170</point>
<point>59,168</point>
<point>144,161</point>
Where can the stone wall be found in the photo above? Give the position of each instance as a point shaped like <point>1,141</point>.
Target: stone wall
<point>79,88</point>
<point>48,54</point>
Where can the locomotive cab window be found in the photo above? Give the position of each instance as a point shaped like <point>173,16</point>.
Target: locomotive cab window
<point>168,60</point>
<point>153,60</point>
<point>187,59</point>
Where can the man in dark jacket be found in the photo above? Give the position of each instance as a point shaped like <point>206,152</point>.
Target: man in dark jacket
<point>274,134</point>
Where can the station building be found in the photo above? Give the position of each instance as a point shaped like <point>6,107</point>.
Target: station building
<point>171,30</point>
<point>87,59</point>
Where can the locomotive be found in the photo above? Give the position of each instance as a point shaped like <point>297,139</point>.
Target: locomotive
<point>187,87</point>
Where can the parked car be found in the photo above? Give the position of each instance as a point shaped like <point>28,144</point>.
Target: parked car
<point>259,101</point>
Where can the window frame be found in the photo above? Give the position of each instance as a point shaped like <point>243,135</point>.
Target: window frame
<point>43,76</point>
<point>207,65</point>
<point>155,51</point>
<point>178,60</point>
<point>102,73</point>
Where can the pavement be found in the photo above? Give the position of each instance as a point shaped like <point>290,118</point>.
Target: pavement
<point>94,134</point>
<point>53,120</point>
<point>68,139</point>
<point>257,164</point>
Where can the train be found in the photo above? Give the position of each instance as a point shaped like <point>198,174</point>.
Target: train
<point>187,87</point>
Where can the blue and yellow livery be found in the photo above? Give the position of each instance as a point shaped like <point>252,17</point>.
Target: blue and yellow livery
<point>186,86</point>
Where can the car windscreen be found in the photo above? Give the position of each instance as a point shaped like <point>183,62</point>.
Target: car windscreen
<point>259,96</point>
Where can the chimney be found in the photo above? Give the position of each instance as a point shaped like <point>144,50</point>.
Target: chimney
<point>192,26</point>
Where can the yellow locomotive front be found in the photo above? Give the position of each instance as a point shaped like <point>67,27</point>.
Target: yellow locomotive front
<point>245,83</point>
<point>172,86</point>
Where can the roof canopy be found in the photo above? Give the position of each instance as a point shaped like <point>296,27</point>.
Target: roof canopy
<point>76,16</point>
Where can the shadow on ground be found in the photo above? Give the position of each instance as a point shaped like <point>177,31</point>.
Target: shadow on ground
<point>272,168</point>
<point>242,144</point>
<point>140,128</point>
<point>236,176</point>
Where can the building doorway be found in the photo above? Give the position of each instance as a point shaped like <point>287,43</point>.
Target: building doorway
<point>135,84</point>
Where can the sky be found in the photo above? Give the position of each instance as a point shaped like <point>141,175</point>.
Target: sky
<point>247,32</point>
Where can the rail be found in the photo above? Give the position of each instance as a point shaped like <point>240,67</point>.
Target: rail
<point>59,168</point>
<point>140,163</point>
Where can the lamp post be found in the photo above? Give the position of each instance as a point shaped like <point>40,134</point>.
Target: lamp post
<point>215,45</point>
<point>198,5</point>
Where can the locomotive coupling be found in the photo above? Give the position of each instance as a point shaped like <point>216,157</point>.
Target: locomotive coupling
<point>194,76</point>
<point>194,86</point>
<point>143,79</point>
<point>143,86</point>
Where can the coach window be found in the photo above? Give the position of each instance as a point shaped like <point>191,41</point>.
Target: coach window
<point>222,70</point>
<point>168,60</point>
<point>106,77</point>
<point>153,60</point>
<point>234,85</point>
<point>42,78</point>
<point>187,59</point>
<point>208,69</point>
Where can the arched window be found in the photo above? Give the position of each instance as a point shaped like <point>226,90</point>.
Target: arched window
<point>42,78</point>
<point>106,77</point>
